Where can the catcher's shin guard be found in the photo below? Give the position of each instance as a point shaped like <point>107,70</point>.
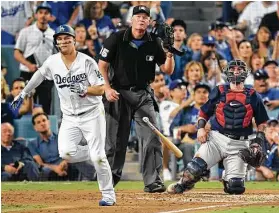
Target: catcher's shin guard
<point>234,186</point>
<point>195,169</point>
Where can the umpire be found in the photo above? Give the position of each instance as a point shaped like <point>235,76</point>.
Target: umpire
<point>132,55</point>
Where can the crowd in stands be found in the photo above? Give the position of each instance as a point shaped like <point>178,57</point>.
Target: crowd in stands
<point>246,30</point>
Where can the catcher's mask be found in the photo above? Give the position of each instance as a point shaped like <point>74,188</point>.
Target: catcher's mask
<point>230,71</point>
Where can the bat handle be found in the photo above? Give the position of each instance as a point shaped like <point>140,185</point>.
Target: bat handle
<point>146,120</point>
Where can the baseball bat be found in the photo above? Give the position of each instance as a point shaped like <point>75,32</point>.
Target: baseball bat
<point>164,139</point>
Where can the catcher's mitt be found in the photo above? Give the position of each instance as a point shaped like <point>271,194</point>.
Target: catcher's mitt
<point>165,32</point>
<point>252,155</point>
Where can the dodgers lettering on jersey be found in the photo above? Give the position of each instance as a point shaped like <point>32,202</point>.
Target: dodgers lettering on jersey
<point>83,70</point>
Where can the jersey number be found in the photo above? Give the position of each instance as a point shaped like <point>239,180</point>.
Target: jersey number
<point>104,52</point>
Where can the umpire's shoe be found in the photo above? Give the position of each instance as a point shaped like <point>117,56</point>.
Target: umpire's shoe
<point>106,203</point>
<point>155,187</point>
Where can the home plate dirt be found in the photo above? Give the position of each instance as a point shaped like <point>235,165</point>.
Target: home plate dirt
<point>135,201</point>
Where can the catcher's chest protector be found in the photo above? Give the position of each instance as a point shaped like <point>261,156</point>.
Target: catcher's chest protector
<point>234,110</point>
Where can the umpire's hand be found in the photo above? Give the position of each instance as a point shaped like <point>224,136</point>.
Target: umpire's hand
<point>111,95</point>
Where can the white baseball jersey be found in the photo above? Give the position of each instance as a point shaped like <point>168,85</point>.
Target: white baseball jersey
<point>32,41</point>
<point>166,107</point>
<point>83,70</point>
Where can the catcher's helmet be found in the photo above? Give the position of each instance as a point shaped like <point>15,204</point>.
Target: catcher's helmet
<point>229,72</point>
<point>64,30</point>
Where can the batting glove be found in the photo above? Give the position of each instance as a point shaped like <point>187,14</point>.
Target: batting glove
<point>18,100</point>
<point>78,88</point>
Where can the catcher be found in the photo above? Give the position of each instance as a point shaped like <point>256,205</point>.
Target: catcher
<point>230,109</point>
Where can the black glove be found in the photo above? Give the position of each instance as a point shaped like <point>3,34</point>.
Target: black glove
<point>254,155</point>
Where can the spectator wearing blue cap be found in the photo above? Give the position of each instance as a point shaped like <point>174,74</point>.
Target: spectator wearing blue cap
<point>168,110</point>
<point>186,120</point>
<point>180,34</point>
<point>33,46</point>
<point>208,44</point>
<point>271,163</point>
<point>221,44</point>
<point>270,96</point>
<point>272,70</point>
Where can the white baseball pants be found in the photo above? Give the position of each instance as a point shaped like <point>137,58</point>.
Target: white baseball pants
<point>91,126</point>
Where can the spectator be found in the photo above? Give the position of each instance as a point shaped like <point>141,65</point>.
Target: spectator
<point>94,15</point>
<point>262,42</point>
<point>14,16</point>
<point>221,44</point>
<point>275,54</point>
<point>270,96</point>
<point>156,12</point>
<point>166,8</point>
<point>212,69</point>
<point>64,12</point>
<point>3,67</point>
<point>7,115</point>
<point>180,29</point>
<point>112,10</point>
<point>33,47</point>
<point>208,43</point>
<point>195,43</point>
<point>161,91</point>
<point>244,52</point>
<point>271,163</point>
<point>28,104</point>
<point>271,21</point>
<point>193,74</point>
<point>257,62</point>
<point>45,152</point>
<point>16,162</point>
<point>168,110</point>
<point>81,46</point>
<point>271,68</point>
<point>186,120</point>
<point>252,15</point>
<point>238,35</point>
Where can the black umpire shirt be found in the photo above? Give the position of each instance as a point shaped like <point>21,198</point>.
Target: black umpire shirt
<point>133,61</point>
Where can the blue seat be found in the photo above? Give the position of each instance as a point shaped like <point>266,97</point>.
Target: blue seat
<point>24,127</point>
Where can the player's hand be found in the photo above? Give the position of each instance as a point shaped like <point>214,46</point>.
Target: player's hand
<point>32,67</point>
<point>20,166</point>
<point>57,169</point>
<point>202,135</point>
<point>18,100</point>
<point>111,95</point>
<point>78,88</point>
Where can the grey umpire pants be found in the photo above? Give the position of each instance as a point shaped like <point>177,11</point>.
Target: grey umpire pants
<point>132,105</point>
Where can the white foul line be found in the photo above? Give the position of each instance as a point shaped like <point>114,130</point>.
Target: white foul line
<point>210,207</point>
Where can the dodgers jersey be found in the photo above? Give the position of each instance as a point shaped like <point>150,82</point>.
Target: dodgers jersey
<point>83,70</point>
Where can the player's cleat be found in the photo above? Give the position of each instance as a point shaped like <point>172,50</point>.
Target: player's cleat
<point>106,203</point>
<point>155,187</point>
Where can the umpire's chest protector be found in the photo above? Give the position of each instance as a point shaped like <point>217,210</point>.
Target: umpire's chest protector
<point>234,109</point>
<point>135,64</point>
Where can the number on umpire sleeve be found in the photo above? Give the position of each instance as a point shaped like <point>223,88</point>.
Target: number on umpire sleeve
<point>104,52</point>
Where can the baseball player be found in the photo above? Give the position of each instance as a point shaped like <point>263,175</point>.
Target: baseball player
<point>80,86</point>
<point>231,108</point>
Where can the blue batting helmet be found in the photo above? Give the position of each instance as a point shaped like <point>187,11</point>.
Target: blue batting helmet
<point>64,30</point>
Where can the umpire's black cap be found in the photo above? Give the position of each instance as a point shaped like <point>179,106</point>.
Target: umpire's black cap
<point>141,9</point>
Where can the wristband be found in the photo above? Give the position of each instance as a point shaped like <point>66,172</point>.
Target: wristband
<point>201,123</point>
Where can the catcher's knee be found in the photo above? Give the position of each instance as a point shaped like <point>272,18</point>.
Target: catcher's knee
<point>197,167</point>
<point>234,186</point>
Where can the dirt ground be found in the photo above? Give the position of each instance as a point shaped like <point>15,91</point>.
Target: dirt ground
<point>136,201</point>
